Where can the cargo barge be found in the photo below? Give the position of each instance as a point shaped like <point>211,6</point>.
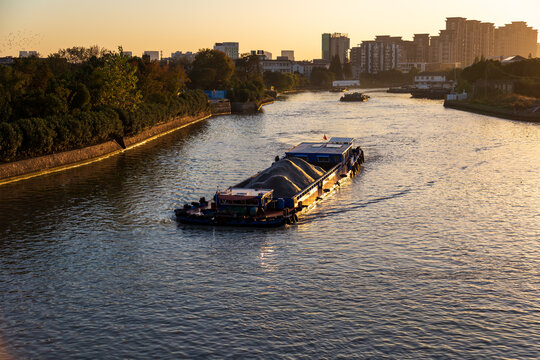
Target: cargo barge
<point>356,96</point>
<point>279,194</point>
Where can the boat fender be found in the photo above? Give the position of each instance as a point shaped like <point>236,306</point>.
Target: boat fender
<point>326,190</point>
<point>343,175</point>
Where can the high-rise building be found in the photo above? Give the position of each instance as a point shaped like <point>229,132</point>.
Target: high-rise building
<point>462,42</point>
<point>152,55</point>
<point>516,39</point>
<point>421,48</point>
<point>382,54</point>
<point>326,46</point>
<point>229,48</point>
<point>288,53</point>
<point>335,44</point>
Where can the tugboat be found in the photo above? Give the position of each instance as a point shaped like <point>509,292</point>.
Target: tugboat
<point>279,194</point>
<point>356,96</point>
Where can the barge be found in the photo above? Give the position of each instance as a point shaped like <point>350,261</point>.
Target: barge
<point>281,193</point>
<point>356,96</point>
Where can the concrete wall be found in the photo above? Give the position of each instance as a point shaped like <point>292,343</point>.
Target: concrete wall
<point>23,169</point>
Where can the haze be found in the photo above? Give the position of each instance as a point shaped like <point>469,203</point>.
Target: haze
<point>167,25</point>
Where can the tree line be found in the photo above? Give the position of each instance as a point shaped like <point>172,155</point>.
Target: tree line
<point>80,97</point>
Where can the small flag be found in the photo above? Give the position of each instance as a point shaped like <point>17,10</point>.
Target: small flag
<point>324,137</point>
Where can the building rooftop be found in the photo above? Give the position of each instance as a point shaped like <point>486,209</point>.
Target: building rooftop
<point>326,148</point>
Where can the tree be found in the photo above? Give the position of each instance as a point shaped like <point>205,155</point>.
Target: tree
<point>159,83</point>
<point>347,70</point>
<point>80,54</point>
<point>321,77</point>
<point>117,83</point>
<point>335,67</point>
<point>211,69</point>
<point>248,66</point>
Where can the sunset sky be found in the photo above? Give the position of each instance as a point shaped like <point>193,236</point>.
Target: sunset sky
<point>171,25</point>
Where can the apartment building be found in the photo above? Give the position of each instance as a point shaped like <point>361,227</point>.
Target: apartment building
<point>335,44</point>
<point>373,56</point>
<point>516,39</point>
<point>229,48</point>
<point>289,54</point>
<point>152,55</point>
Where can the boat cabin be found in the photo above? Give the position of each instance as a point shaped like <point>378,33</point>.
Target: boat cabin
<point>243,200</point>
<point>323,154</point>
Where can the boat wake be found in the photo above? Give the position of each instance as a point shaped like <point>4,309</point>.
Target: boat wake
<point>354,207</point>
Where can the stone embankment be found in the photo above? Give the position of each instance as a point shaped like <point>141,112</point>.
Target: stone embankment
<point>493,111</point>
<point>28,168</point>
<point>249,107</point>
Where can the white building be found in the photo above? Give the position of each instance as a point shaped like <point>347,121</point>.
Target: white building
<point>25,54</point>
<point>282,66</point>
<point>179,55</point>
<point>128,53</point>
<point>288,53</point>
<point>428,80</point>
<point>153,55</point>
<point>262,54</point>
<point>229,48</point>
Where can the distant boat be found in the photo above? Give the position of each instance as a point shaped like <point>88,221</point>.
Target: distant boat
<point>339,89</point>
<point>435,94</point>
<point>356,96</point>
<point>400,90</point>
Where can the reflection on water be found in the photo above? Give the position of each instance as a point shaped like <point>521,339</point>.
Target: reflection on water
<point>432,251</point>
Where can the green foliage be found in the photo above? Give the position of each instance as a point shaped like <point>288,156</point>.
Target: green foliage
<point>247,90</point>
<point>247,67</point>
<point>80,98</point>
<point>159,83</point>
<point>283,81</point>
<point>524,74</point>
<point>335,67</point>
<point>211,69</point>
<point>51,105</point>
<point>117,84</point>
<point>191,102</point>
<point>392,77</point>
<point>321,77</point>
<point>5,104</point>
<point>80,54</point>
<point>10,141</point>
<point>347,71</point>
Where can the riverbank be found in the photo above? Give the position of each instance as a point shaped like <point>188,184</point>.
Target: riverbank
<point>29,168</point>
<point>489,110</point>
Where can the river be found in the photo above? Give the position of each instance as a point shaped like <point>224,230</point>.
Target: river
<point>432,251</point>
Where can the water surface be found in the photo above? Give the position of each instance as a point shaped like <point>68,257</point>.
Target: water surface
<point>432,251</point>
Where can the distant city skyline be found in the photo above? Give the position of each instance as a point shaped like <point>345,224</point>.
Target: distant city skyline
<point>171,26</point>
